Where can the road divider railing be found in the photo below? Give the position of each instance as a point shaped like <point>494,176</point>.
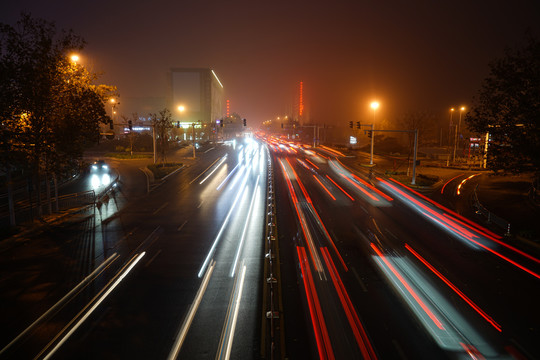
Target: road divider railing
<point>272,337</point>
<point>490,217</point>
<point>104,195</point>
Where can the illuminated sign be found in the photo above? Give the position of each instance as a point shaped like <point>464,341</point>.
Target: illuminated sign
<point>352,140</point>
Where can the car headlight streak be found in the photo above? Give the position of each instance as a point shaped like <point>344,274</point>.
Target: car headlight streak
<point>439,317</point>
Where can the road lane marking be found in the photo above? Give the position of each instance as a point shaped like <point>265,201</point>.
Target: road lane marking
<point>359,279</point>
<point>181,226</point>
<point>152,259</point>
<point>160,208</point>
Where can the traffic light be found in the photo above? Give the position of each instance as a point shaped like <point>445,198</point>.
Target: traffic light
<point>111,125</point>
<point>244,122</point>
<point>130,125</point>
<point>178,124</point>
<point>370,134</point>
<point>350,124</point>
<point>358,124</point>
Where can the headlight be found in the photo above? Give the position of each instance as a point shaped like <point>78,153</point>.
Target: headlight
<point>105,167</point>
<point>94,167</point>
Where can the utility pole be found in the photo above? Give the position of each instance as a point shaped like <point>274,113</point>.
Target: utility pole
<point>193,138</point>
<point>415,131</point>
<point>154,141</point>
<point>372,141</point>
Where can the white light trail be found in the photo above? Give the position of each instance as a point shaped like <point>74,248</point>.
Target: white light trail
<point>227,178</point>
<point>230,324</point>
<point>94,307</point>
<point>216,241</point>
<point>77,288</point>
<point>213,171</point>
<point>191,314</point>
<point>244,231</point>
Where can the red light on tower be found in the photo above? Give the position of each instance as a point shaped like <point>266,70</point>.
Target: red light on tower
<point>301,99</point>
<point>228,108</point>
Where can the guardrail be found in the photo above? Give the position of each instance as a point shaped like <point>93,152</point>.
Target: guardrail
<point>272,306</point>
<point>26,210</point>
<point>490,217</point>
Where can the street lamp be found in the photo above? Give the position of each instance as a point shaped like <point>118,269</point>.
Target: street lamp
<point>113,105</point>
<point>461,109</point>
<point>75,58</point>
<point>374,106</point>
<point>450,125</point>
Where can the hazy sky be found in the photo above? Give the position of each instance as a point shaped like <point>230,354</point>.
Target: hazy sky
<point>409,55</point>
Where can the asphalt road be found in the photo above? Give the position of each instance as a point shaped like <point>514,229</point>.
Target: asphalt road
<point>370,269</point>
<point>175,274</point>
<point>423,283</point>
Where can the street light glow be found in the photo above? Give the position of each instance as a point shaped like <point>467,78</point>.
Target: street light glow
<point>75,58</point>
<point>374,105</point>
<point>181,108</point>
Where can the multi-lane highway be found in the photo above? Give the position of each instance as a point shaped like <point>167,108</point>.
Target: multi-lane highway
<point>368,269</point>
<point>387,273</point>
<point>175,274</point>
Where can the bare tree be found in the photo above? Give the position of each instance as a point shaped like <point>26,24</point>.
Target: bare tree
<point>425,122</point>
<point>162,124</point>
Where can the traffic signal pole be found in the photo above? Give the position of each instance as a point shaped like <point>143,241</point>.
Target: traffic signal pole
<point>415,131</point>
<point>371,155</point>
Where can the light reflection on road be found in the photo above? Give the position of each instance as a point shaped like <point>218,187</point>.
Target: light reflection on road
<point>98,181</point>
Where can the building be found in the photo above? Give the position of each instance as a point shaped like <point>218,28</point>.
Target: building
<point>196,97</point>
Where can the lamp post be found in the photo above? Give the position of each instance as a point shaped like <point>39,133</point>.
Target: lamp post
<point>374,106</point>
<point>461,109</point>
<point>450,126</point>
<point>113,105</point>
<point>458,127</point>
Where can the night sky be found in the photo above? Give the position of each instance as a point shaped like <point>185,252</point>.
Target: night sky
<point>408,55</point>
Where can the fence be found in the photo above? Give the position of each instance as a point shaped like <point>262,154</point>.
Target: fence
<point>490,217</point>
<point>26,208</point>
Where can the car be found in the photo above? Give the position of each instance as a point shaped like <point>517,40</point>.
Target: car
<point>99,166</point>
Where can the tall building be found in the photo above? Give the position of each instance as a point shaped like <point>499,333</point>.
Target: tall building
<point>196,96</point>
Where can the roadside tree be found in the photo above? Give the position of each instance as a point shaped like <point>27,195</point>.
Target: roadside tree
<point>162,123</point>
<point>508,108</point>
<point>49,108</point>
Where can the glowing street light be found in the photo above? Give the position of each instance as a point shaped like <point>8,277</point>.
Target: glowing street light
<point>113,106</point>
<point>458,128</point>
<point>374,105</point>
<point>181,108</point>
<point>450,125</point>
<point>75,58</point>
